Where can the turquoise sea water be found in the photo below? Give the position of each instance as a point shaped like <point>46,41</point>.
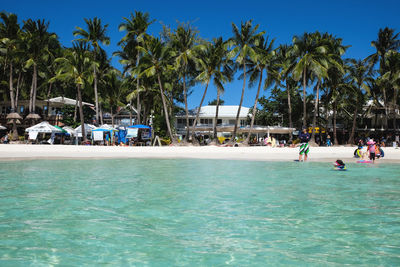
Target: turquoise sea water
<point>198,213</point>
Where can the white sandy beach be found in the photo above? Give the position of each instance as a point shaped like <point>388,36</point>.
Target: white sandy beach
<point>20,152</point>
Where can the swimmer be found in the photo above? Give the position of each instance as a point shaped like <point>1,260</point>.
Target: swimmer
<point>339,165</point>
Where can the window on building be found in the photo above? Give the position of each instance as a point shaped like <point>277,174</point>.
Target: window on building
<point>219,122</point>
<point>232,122</point>
<point>242,122</point>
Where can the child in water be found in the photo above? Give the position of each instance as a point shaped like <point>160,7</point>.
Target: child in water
<point>339,165</point>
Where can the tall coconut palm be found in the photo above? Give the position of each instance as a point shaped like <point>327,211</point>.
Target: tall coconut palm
<point>10,39</point>
<point>311,55</point>
<point>335,72</point>
<point>37,40</point>
<point>95,34</point>
<point>76,65</point>
<point>112,80</point>
<point>184,43</point>
<point>286,60</point>
<point>135,27</point>
<point>387,40</point>
<point>359,73</point>
<point>265,60</point>
<point>243,41</point>
<point>213,66</point>
<point>392,78</point>
<point>157,59</point>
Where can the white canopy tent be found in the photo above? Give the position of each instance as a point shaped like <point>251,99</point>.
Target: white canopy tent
<point>43,127</point>
<point>107,127</point>
<point>88,129</point>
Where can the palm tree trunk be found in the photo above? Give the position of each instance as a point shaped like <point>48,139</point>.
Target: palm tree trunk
<point>34,88</point>
<point>101,115</point>
<point>19,82</point>
<point>81,113</point>
<point>112,117</point>
<point>334,123</point>
<point>145,114</point>
<point>254,108</point>
<point>216,118</point>
<point>130,112</point>
<point>95,94</point>
<point>304,99</point>
<point>289,111</point>
<point>395,95</point>
<point>353,128</point>
<point>186,108</point>
<point>31,92</point>
<point>232,141</point>
<point>314,125</point>
<point>138,106</point>
<point>198,112</point>
<point>165,109</point>
<point>12,99</point>
<point>48,99</point>
<point>76,107</point>
<point>385,119</point>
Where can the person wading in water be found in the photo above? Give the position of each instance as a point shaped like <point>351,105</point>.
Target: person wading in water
<point>304,147</point>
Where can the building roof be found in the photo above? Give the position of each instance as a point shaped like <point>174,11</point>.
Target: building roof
<point>223,112</point>
<point>67,101</point>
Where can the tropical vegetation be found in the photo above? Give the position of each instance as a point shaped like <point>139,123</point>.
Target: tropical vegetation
<point>309,82</point>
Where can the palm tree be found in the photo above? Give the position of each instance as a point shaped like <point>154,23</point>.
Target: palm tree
<point>76,66</point>
<point>10,39</point>
<point>359,75</point>
<point>183,41</point>
<point>37,40</point>
<point>157,59</point>
<point>311,55</point>
<point>265,57</point>
<point>392,78</point>
<point>112,80</point>
<point>243,41</point>
<point>213,65</point>
<point>96,34</point>
<point>286,61</point>
<point>387,40</point>
<point>135,26</point>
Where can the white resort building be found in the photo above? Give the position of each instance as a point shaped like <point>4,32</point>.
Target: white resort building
<point>226,118</point>
<point>226,122</point>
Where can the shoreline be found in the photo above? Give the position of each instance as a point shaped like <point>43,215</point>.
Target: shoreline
<point>11,152</point>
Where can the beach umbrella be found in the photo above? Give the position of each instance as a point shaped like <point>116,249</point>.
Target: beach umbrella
<point>33,116</point>
<point>69,130</point>
<point>14,115</point>
<point>61,129</point>
<point>16,121</point>
<point>3,128</point>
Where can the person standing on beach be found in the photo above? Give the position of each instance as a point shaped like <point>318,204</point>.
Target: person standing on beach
<point>304,147</point>
<point>371,149</point>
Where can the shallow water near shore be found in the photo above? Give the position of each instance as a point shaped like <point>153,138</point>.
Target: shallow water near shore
<point>185,212</point>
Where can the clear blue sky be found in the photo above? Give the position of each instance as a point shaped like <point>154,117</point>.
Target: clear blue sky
<point>356,21</point>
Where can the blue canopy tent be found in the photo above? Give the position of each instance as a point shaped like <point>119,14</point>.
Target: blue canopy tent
<point>140,126</point>
<point>133,131</point>
<point>102,130</point>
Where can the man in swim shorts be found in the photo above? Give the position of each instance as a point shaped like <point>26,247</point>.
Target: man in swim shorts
<point>304,147</point>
